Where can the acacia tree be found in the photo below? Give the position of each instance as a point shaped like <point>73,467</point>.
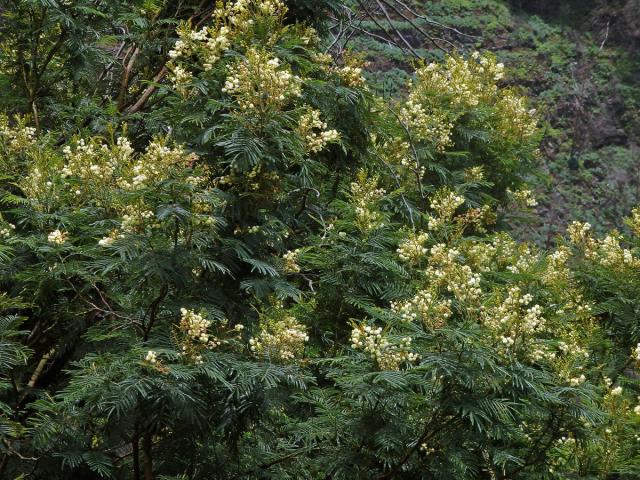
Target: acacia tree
<point>271,272</point>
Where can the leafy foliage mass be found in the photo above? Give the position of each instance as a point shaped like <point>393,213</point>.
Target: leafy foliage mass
<point>226,257</point>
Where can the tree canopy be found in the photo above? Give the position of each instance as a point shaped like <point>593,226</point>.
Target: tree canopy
<point>224,255</point>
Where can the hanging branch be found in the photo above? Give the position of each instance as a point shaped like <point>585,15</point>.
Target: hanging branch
<point>384,14</point>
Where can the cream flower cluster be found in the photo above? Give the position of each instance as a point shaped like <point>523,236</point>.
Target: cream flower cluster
<point>413,248</point>
<point>109,239</point>
<point>364,196</point>
<point>474,174</point>
<point>95,164</point>
<point>388,356</point>
<point>636,353</point>
<point>513,317</point>
<point>424,306</point>
<point>608,251</point>
<point>151,357</point>
<point>611,253</point>
<point>290,261</point>
<point>465,81</point>
<point>57,237</point>
<point>515,119</point>
<point>446,271</point>
<point>580,235</point>
<point>137,219</point>
<point>16,138</point>
<point>7,230</point>
<point>444,204</point>
<point>230,21</point>
<point>281,340</point>
<point>195,326</point>
<point>427,125</point>
<point>260,83</point>
<point>155,165</point>
<point>634,221</point>
<point>443,91</point>
<point>523,197</point>
<point>180,78</point>
<point>314,131</point>
<point>351,76</point>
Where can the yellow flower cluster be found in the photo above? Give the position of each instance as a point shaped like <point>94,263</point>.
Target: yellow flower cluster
<point>259,83</point>
<point>314,131</point>
<point>634,221</point>
<point>474,174</point>
<point>258,179</point>
<point>351,73</point>
<point>611,253</point>
<point>607,252</point>
<point>515,119</point>
<point>109,239</point>
<point>444,91</point>
<point>151,357</point>
<point>387,355</point>
<point>181,79</point>
<point>281,339</point>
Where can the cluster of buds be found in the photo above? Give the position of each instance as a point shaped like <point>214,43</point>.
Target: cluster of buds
<point>194,336</point>
<point>426,307</point>
<point>290,262</point>
<point>151,357</point>
<point>314,131</point>
<point>364,196</point>
<point>195,326</point>
<point>57,237</point>
<point>7,230</point>
<point>444,205</point>
<point>260,83</point>
<point>427,125</point>
<point>388,355</point>
<point>280,339</point>
<point>413,249</point>
<point>523,197</point>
